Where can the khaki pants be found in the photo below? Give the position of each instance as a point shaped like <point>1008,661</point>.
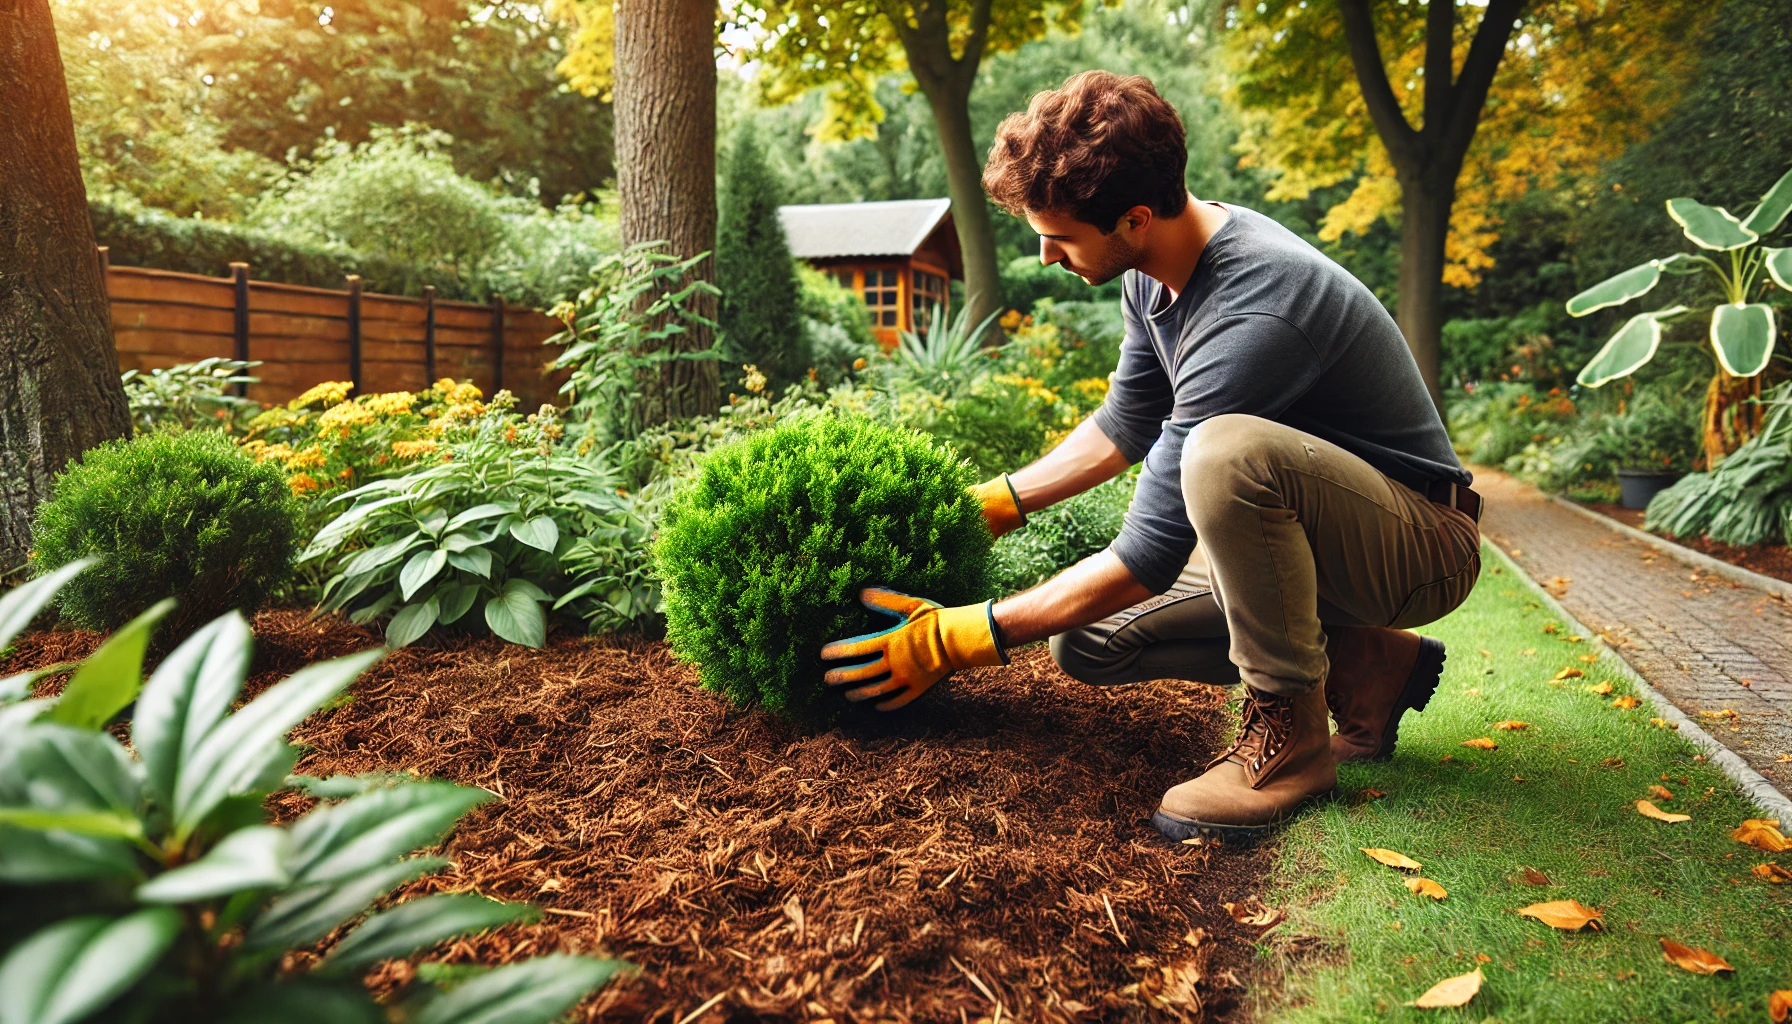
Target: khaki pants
<point>1293,533</point>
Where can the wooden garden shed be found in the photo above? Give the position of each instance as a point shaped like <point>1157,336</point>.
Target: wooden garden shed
<point>899,255</point>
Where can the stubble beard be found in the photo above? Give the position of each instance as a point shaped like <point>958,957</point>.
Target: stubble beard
<point>1115,259</point>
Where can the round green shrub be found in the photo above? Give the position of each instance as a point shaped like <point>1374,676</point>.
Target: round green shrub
<point>761,556</point>
<point>169,514</point>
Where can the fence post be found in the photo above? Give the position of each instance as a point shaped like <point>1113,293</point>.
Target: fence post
<point>497,342</point>
<point>429,335</point>
<point>239,274</point>
<point>354,330</point>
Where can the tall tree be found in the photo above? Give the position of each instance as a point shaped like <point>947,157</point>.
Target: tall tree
<point>760,300</point>
<point>665,108</point>
<point>59,388</point>
<point>1403,96</point>
<point>845,46</point>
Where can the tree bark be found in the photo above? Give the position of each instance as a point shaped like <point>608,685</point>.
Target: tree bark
<point>1424,227</point>
<point>665,111</point>
<point>59,387</point>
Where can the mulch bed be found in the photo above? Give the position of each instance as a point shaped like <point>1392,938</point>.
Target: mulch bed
<point>982,854</point>
<point>1767,559</point>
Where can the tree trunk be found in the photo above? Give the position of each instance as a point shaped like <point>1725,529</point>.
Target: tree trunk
<point>1424,225</point>
<point>970,209</point>
<point>59,388</point>
<point>665,111</point>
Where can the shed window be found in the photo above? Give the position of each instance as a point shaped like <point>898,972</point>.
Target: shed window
<point>883,296</point>
<point>929,291</point>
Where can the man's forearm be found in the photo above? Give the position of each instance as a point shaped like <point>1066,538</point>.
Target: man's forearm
<point>1089,591</point>
<point>1079,462</point>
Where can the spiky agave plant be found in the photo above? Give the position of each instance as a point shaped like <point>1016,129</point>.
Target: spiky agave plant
<point>146,885</point>
<point>1742,333</point>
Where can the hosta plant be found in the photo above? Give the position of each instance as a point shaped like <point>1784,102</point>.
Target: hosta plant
<point>477,538</point>
<point>762,554</point>
<point>1742,329</point>
<point>145,883</point>
<point>1747,499</point>
<point>200,394</point>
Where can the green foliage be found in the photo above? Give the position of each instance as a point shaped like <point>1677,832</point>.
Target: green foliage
<point>763,553</point>
<point>759,306</point>
<point>1057,538</point>
<point>1748,498</point>
<point>189,395</point>
<point>947,357</point>
<point>836,324</point>
<point>618,337</point>
<point>145,883</point>
<point>175,512</point>
<point>483,529</point>
<point>1521,346</point>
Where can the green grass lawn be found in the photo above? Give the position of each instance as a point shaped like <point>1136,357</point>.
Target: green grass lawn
<point>1558,797</point>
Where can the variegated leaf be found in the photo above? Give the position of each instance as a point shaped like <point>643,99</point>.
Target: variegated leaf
<point>1633,345</point>
<point>1709,227</point>
<point>1743,336</point>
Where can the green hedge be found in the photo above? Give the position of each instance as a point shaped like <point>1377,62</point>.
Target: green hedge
<point>151,238</point>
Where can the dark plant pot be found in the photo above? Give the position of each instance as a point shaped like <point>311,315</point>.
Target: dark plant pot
<point>1638,486</point>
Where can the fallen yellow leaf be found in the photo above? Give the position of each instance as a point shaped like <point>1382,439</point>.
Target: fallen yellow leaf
<point>1481,743</point>
<point>1773,873</point>
<point>1589,658</point>
<point>1254,913</point>
<point>1779,1006</point>
<point>1575,639</point>
<point>1552,628</point>
<point>1568,915</point>
<point>1426,887</point>
<point>1649,810</point>
<point>1570,673</point>
<point>1534,877</point>
<point>1450,991</point>
<point>1662,723</point>
<point>1762,834</point>
<point>1512,724</point>
<point>1625,703</point>
<point>1392,859</point>
<point>1660,791</point>
<point>1602,688</point>
<point>1363,796</point>
<point>1698,961</point>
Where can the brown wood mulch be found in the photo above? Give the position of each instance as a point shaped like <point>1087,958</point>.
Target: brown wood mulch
<point>980,856</point>
<point>1767,559</point>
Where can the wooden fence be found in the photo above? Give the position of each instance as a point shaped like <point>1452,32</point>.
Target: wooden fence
<point>305,336</point>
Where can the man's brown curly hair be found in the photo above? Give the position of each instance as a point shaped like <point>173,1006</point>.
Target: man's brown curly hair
<point>1094,148</point>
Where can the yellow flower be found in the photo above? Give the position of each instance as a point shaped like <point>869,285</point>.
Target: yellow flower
<point>465,394</point>
<point>1092,387</point>
<point>391,403</point>
<point>327,394</point>
<point>302,484</point>
<point>413,449</point>
<point>754,380</point>
<point>346,416</point>
<point>309,457</point>
<point>265,452</point>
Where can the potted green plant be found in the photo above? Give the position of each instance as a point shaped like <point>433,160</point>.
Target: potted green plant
<point>1652,444</point>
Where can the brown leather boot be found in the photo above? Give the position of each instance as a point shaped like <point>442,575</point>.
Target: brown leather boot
<point>1280,760</point>
<point>1377,675</point>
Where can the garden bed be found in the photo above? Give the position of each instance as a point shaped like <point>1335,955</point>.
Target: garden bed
<point>988,847</point>
<point>1767,559</point>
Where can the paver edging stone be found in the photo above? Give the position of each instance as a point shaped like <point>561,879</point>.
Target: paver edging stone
<point>1753,784</point>
<point>1696,559</point>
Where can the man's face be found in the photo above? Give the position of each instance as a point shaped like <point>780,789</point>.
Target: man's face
<point>1084,250</point>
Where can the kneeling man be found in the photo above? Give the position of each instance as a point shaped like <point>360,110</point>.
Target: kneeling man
<point>1299,503</point>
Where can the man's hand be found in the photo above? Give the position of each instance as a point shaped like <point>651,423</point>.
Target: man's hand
<point>926,645</point>
<point>1001,506</point>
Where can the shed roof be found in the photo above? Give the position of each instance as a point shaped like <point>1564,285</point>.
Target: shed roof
<point>890,228</point>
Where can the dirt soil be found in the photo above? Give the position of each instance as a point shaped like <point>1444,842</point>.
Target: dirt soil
<point>1767,559</point>
<point>983,855</point>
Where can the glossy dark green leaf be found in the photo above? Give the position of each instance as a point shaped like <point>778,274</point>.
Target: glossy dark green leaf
<point>382,555</point>
<point>534,991</point>
<point>376,828</point>
<point>305,1001</point>
<point>22,603</point>
<point>249,858</point>
<point>29,857</point>
<point>306,914</point>
<point>95,824</point>
<point>1773,207</point>
<point>473,560</point>
<point>541,532</point>
<point>61,767</point>
<point>488,510</point>
<point>70,969</point>
<point>419,924</point>
<point>411,622</point>
<point>455,600</point>
<point>418,570</point>
<point>110,677</point>
<point>515,616</point>
<point>189,693</point>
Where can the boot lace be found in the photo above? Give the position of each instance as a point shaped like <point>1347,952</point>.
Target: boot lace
<point>1268,721</point>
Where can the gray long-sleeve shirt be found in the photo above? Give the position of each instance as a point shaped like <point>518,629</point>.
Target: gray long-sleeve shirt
<point>1267,326</point>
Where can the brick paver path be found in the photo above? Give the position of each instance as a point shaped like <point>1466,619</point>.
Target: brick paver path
<point>1719,650</point>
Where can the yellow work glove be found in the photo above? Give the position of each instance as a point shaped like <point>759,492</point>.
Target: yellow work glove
<point>1001,506</point>
<point>925,646</point>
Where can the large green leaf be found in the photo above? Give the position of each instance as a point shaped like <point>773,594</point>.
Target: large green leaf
<point>534,991</point>
<point>516,616</point>
<point>65,768</point>
<point>478,512</point>
<point>95,824</point>
<point>382,555</point>
<point>337,530</point>
<point>1619,289</point>
<point>1633,345</point>
<point>29,857</point>
<point>541,532</point>
<point>455,600</point>
<point>233,756</point>
<point>306,914</point>
<point>1779,266</point>
<point>189,693</point>
<point>304,1001</point>
<point>249,858</point>
<point>1709,227</point>
<point>110,677</point>
<point>17,687</point>
<point>376,828</point>
<point>419,924</point>
<point>422,567</point>
<point>411,622</point>
<point>1772,208</point>
<point>1743,336</point>
<point>473,560</point>
<point>22,603</point>
<point>69,970</point>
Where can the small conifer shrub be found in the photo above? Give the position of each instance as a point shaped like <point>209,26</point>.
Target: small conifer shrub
<point>762,554</point>
<point>185,513</point>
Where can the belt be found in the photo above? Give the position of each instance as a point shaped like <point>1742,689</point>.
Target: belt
<point>1457,496</point>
